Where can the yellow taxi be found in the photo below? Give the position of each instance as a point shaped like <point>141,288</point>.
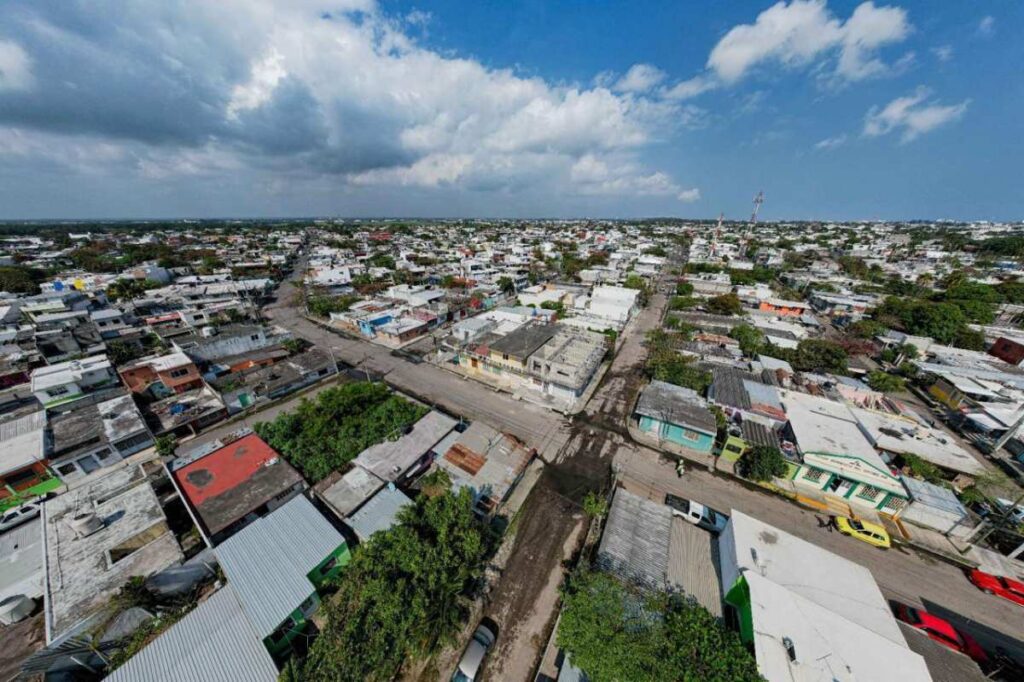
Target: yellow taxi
<point>871,533</point>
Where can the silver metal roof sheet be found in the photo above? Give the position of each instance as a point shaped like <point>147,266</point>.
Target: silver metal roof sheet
<point>213,643</point>
<point>268,560</point>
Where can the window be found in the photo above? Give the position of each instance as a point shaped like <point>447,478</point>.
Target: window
<point>691,435</point>
<point>283,630</point>
<point>180,372</point>
<point>868,492</point>
<point>814,475</point>
<point>102,454</point>
<point>734,449</point>
<point>57,390</point>
<point>328,565</point>
<point>67,469</point>
<point>254,337</point>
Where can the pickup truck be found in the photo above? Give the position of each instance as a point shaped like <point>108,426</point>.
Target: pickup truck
<point>697,514</point>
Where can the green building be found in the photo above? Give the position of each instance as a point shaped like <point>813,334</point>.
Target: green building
<point>278,564</point>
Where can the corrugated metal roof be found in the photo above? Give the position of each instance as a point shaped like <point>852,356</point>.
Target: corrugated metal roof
<point>676,405</point>
<point>213,643</point>
<point>636,540</point>
<point>267,561</point>
<point>379,513</point>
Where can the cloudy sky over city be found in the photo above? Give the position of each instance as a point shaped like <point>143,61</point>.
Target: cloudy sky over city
<point>361,108</point>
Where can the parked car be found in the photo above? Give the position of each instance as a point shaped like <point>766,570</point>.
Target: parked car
<point>1016,513</point>
<point>697,514</point>
<point>19,515</point>
<point>1007,588</point>
<point>473,656</point>
<point>940,630</point>
<point>865,531</point>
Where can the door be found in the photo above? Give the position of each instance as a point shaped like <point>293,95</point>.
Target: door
<point>840,486</point>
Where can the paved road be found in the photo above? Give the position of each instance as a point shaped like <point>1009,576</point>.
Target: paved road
<point>907,576</point>
<point>535,425</point>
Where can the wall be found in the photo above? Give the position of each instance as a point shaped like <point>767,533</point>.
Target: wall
<point>677,434</point>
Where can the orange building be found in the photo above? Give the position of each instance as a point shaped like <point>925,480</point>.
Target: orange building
<point>162,376</point>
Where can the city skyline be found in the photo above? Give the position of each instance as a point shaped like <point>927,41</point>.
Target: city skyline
<point>835,110</point>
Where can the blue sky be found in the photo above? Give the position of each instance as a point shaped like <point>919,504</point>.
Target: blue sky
<point>840,110</point>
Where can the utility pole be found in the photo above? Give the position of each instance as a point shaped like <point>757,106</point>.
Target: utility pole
<point>758,200</point>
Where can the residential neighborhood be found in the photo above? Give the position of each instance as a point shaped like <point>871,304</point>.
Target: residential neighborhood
<point>811,456</point>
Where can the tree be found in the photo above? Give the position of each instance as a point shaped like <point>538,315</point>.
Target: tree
<point>122,352</point>
<point>125,289</point>
<point>969,339</point>
<point>684,289</point>
<point>507,286</point>
<point>16,279</point>
<point>166,445</point>
<point>326,433</point>
<point>763,463</point>
<point>813,355</point>
<point>665,363</point>
<point>885,382</point>
<point>616,633</point>
<point>726,304</point>
<point>403,595</point>
<point>750,338</point>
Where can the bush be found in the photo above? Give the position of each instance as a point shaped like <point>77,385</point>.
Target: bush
<point>324,434</point>
<point>726,304</point>
<point>885,382</point>
<point>684,289</point>
<point>763,463</point>
<point>614,632</point>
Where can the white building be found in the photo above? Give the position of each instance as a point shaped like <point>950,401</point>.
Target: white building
<point>810,614</point>
<point>67,381</point>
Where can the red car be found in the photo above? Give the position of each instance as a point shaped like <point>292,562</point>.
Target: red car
<point>940,630</point>
<point>1007,588</point>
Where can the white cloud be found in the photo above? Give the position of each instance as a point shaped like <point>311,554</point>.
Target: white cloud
<point>912,115</point>
<point>689,88</point>
<point>616,176</point>
<point>304,89</point>
<point>266,74</point>
<point>15,67</point>
<point>987,26</point>
<point>802,31</point>
<point>831,142</point>
<point>639,78</point>
<point>943,52</point>
<point>868,29</point>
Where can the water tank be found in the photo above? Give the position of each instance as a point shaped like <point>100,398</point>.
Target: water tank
<point>86,524</point>
<point>15,609</point>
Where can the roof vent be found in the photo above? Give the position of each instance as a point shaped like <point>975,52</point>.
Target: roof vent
<point>85,524</point>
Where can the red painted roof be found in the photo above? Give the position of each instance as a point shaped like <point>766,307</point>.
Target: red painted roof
<point>224,469</point>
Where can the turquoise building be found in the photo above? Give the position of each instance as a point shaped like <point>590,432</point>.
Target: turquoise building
<point>676,415</point>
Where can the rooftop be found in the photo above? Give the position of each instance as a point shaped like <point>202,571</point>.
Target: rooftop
<point>524,341</point>
<point>345,494</point>
<point>22,441</point>
<point>224,484</point>
<point>379,513</point>
<point>269,560</point>
<point>676,405</point>
<point>83,572</point>
<point>834,583</point>
<point>392,458</point>
<point>213,643</point>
